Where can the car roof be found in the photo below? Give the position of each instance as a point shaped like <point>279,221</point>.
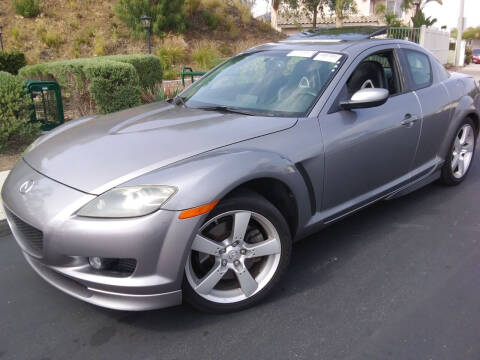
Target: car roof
<point>351,39</point>
<point>343,46</point>
<point>342,33</point>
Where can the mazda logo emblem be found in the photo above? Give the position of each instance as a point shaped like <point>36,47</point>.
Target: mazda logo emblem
<point>26,186</point>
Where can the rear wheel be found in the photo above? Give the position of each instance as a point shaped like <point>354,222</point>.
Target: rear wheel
<point>458,161</point>
<point>238,255</point>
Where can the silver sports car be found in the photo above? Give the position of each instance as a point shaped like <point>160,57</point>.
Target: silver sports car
<point>202,196</point>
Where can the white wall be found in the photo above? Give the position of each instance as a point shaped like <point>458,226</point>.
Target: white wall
<point>363,7</point>
<point>437,41</point>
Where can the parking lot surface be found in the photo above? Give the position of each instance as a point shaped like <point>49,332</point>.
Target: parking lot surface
<point>400,280</point>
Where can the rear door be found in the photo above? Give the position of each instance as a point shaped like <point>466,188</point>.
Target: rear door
<point>369,151</point>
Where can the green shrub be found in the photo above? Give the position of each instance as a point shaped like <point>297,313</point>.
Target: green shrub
<point>113,85</point>
<point>468,56</point>
<point>92,85</point>
<point>27,8</point>
<point>210,19</point>
<point>12,61</point>
<point>16,130</point>
<point>166,15</point>
<point>148,67</point>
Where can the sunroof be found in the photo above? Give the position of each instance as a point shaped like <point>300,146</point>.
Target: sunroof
<point>339,34</point>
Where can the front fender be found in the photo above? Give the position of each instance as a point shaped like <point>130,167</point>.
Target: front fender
<point>210,176</point>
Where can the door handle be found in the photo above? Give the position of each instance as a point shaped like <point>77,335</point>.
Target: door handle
<point>409,120</point>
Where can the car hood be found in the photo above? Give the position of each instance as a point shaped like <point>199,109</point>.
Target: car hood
<point>97,153</point>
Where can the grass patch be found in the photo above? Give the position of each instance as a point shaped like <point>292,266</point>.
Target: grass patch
<point>245,10</point>
<point>205,55</point>
<point>99,46</point>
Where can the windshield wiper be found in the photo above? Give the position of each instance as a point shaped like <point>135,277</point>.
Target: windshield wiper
<point>231,109</point>
<point>182,100</point>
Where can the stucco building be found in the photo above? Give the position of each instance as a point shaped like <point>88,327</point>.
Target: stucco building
<point>284,21</point>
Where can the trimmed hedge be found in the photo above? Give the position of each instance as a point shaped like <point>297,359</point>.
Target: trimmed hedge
<point>149,68</point>
<point>103,84</point>
<point>114,86</point>
<point>16,130</point>
<point>12,61</point>
<point>91,85</point>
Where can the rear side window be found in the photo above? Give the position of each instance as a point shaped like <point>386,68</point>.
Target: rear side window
<point>419,68</point>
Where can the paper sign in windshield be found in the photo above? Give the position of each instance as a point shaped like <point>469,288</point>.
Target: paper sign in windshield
<point>302,53</point>
<point>327,57</point>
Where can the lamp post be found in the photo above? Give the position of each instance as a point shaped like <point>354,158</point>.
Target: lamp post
<point>1,40</point>
<point>146,23</point>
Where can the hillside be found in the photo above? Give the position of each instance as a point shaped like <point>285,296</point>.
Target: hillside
<point>85,28</point>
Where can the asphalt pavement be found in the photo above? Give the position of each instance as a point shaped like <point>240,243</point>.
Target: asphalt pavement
<point>473,70</point>
<point>399,280</point>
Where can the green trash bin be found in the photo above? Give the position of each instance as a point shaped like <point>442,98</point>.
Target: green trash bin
<point>47,103</point>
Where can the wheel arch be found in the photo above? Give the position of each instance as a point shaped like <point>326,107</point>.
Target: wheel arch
<point>278,193</point>
<point>476,120</point>
<point>464,110</point>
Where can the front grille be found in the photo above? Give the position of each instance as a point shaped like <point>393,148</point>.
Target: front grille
<point>30,237</point>
<point>125,266</point>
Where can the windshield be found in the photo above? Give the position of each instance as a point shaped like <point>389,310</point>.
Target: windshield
<point>275,83</point>
<point>476,52</point>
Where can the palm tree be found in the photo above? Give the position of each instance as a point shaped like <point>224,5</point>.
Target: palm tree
<point>417,5</point>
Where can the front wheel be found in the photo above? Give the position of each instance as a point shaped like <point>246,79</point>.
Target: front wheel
<point>458,161</point>
<point>238,255</point>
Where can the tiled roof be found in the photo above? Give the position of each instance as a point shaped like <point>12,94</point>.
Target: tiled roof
<point>302,19</point>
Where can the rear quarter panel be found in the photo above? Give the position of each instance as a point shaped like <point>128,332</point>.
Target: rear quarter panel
<point>464,101</point>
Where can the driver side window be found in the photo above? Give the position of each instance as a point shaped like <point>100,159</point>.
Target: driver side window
<point>378,70</point>
<point>375,71</point>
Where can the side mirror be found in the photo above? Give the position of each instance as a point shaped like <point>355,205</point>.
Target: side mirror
<point>366,98</point>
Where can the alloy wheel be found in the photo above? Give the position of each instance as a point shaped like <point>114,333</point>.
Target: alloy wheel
<point>462,151</point>
<point>233,256</point>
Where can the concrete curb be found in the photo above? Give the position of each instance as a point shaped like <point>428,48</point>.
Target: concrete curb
<point>3,177</point>
<point>4,228</point>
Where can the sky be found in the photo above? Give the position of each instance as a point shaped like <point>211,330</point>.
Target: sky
<point>261,7</point>
<point>447,14</point>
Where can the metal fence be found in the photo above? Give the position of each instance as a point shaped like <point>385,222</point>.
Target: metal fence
<point>404,33</point>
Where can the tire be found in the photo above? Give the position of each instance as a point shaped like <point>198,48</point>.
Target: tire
<point>452,174</point>
<point>228,264</point>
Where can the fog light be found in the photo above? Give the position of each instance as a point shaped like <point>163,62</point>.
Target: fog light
<point>97,262</point>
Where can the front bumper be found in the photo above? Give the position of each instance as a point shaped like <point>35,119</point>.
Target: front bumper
<point>158,242</point>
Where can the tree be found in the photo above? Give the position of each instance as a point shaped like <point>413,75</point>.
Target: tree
<point>471,33</point>
<point>419,19</point>
<point>390,18</point>
<point>341,7</point>
<point>418,5</point>
<point>309,6</point>
<point>314,7</point>
<point>166,15</point>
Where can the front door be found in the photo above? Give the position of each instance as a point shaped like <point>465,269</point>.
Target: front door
<point>369,151</point>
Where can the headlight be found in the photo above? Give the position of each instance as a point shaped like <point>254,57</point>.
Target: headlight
<point>129,201</point>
